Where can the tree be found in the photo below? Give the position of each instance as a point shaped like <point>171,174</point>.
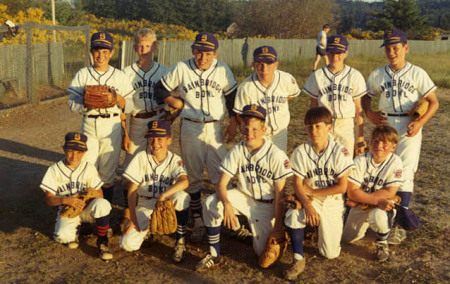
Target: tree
<point>399,14</point>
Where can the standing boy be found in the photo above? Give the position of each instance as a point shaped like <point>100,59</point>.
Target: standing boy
<point>142,106</point>
<point>208,89</point>
<point>400,85</point>
<point>64,182</point>
<point>321,167</point>
<point>261,170</point>
<point>102,126</point>
<point>271,89</point>
<point>375,179</point>
<point>155,175</point>
<point>321,46</point>
<point>339,88</point>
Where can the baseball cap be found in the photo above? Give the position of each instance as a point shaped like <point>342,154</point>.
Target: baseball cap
<point>394,37</point>
<point>158,128</point>
<point>102,40</point>
<point>75,141</point>
<point>205,42</point>
<point>337,43</point>
<point>265,53</point>
<point>254,111</point>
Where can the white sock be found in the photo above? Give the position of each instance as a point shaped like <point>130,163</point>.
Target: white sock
<point>298,256</point>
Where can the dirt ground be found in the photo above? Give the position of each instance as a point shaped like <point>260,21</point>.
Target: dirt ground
<point>31,140</point>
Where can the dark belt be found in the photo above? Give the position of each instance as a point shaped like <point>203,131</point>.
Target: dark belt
<point>397,114</point>
<point>197,121</point>
<point>106,115</point>
<point>146,114</point>
<point>269,201</point>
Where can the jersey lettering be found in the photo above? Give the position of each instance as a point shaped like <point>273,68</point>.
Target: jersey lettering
<point>258,169</point>
<point>320,172</point>
<point>200,83</point>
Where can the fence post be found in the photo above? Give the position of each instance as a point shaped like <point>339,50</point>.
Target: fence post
<point>30,67</point>
<point>87,61</point>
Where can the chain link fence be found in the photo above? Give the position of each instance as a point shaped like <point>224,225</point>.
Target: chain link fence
<point>40,61</point>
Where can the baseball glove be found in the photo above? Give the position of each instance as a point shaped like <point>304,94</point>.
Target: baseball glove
<point>361,148</point>
<point>99,96</point>
<point>172,113</point>
<point>292,202</point>
<point>419,109</point>
<point>163,220</point>
<point>397,199</point>
<point>71,212</point>
<point>275,248</point>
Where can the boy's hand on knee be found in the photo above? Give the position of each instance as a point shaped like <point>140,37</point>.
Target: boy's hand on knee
<point>312,217</point>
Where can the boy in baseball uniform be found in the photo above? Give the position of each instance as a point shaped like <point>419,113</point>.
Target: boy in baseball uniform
<point>339,88</point>
<point>374,182</point>
<point>64,181</point>
<point>155,174</point>
<point>321,167</point>
<point>208,89</point>
<point>102,126</point>
<point>261,169</point>
<point>271,89</point>
<point>142,106</point>
<point>400,85</point>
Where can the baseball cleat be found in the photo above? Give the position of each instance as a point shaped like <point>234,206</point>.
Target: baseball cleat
<point>207,262</point>
<point>178,252</point>
<point>72,245</point>
<point>104,252</point>
<point>382,252</point>
<point>242,234</point>
<point>297,267</point>
<point>396,236</point>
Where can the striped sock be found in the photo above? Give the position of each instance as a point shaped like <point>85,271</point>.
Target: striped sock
<point>213,234</point>
<point>296,236</point>
<point>102,226</point>
<point>196,207</point>
<point>382,237</point>
<point>182,220</point>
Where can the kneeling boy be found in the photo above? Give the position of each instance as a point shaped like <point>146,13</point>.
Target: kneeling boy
<point>155,174</point>
<point>375,180</point>
<point>64,181</point>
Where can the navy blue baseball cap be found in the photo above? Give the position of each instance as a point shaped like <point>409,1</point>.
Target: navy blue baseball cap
<point>394,37</point>
<point>158,128</point>
<point>75,141</point>
<point>337,44</point>
<point>265,53</point>
<point>102,40</point>
<point>205,42</point>
<point>254,111</point>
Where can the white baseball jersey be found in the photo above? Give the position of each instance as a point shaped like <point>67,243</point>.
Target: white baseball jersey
<point>400,89</point>
<point>64,181</point>
<point>113,78</point>
<point>273,98</point>
<point>154,178</point>
<point>257,172</point>
<point>336,92</point>
<point>143,83</point>
<point>371,177</point>
<point>324,169</point>
<point>202,90</point>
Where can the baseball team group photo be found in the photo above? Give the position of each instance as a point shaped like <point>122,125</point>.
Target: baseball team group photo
<point>326,168</point>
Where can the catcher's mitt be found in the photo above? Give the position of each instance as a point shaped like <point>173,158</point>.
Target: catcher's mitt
<point>71,212</point>
<point>99,96</point>
<point>293,202</point>
<point>419,109</point>
<point>275,247</point>
<point>163,220</point>
<point>361,148</point>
